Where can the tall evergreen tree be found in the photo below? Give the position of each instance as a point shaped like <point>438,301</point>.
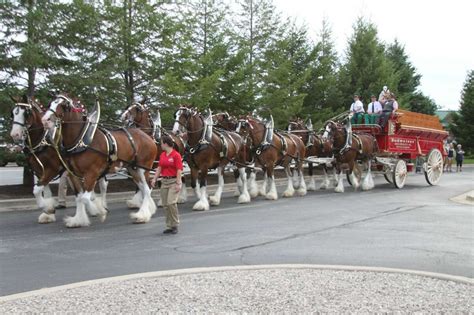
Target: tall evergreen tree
<point>462,126</point>
<point>408,78</point>
<point>366,68</point>
<point>322,87</point>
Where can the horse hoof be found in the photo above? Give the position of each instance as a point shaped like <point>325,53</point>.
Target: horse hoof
<point>72,222</point>
<point>271,196</point>
<point>214,201</point>
<point>288,193</point>
<point>46,218</point>
<point>339,190</point>
<point>244,198</point>
<point>301,192</point>
<point>201,206</point>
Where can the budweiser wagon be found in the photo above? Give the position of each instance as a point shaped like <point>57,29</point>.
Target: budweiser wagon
<point>406,137</point>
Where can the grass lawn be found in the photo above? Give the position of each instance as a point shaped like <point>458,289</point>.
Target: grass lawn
<point>468,161</point>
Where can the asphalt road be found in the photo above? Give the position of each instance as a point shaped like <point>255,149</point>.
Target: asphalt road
<point>417,227</point>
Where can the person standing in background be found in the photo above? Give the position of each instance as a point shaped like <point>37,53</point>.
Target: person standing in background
<point>449,158</point>
<point>170,168</point>
<point>459,158</point>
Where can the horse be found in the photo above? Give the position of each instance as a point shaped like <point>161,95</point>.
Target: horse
<point>271,149</point>
<point>348,149</point>
<point>315,147</point>
<point>228,122</point>
<point>208,148</point>
<point>139,115</point>
<point>90,152</point>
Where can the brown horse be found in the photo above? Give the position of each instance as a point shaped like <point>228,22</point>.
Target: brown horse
<point>349,149</point>
<point>40,155</point>
<point>139,115</point>
<point>90,152</point>
<point>228,122</point>
<point>208,148</point>
<point>271,149</point>
<point>315,147</point>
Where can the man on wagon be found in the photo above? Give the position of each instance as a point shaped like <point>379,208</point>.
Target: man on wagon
<point>384,95</point>
<point>357,109</point>
<point>389,107</point>
<point>374,109</point>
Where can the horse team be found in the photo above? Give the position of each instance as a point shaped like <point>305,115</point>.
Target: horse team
<point>64,138</point>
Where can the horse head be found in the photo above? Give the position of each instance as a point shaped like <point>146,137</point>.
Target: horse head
<point>225,121</point>
<point>63,107</point>
<point>184,119</point>
<point>26,114</point>
<point>135,114</point>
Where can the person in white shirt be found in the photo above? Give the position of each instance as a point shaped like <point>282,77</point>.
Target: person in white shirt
<point>384,95</point>
<point>357,108</point>
<point>374,109</point>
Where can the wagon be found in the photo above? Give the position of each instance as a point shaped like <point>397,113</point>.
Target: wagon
<point>408,137</point>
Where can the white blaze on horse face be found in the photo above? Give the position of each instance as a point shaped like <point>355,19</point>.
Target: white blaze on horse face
<point>326,132</point>
<point>176,122</point>
<point>46,120</point>
<point>123,117</point>
<point>17,130</point>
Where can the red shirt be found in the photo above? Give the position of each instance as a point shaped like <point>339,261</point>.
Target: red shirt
<point>170,164</point>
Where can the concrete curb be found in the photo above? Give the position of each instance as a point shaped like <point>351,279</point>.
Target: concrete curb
<point>178,272</point>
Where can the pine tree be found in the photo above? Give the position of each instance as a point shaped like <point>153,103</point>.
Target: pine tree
<point>322,89</point>
<point>406,73</point>
<point>286,71</point>
<point>257,28</point>
<point>366,68</point>
<point>462,126</point>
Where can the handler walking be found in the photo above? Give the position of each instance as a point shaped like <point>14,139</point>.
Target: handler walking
<point>170,167</point>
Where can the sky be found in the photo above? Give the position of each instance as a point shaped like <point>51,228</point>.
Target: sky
<point>438,35</point>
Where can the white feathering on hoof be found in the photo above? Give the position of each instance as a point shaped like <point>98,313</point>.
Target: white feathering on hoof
<point>253,188</point>
<point>202,204</point>
<point>340,185</point>
<point>46,218</point>
<point>183,194</point>
<point>244,193</point>
<point>136,201</point>
<point>143,215</point>
<point>355,181</point>
<point>80,219</point>
<point>311,184</point>
<point>368,182</point>
<point>290,191</point>
<point>272,194</point>
<point>296,179</point>
<point>301,191</point>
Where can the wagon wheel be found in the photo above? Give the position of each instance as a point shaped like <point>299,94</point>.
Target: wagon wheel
<point>399,174</point>
<point>433,167</point>
<point>357,173</point>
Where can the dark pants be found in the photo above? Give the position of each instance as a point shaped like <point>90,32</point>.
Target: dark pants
<point>384,118</point>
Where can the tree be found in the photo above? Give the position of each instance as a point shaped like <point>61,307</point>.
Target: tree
<point>421,103</point>
<point>321,87</point>
<point>30,47</point>
<point>462,126</point>
<point>257,28</point>
<point>286,71</point>
<point>405,72</point>
<point>366,68</point>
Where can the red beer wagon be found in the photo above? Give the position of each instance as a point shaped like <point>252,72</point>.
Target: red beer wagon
<point>408,136</point>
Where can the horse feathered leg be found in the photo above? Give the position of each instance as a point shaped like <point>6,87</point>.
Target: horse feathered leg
<point>253,188</point>
<point>136,201</point>
<point>290,191</point>
<point>301,191</point>
<point>95,208</point>
<point>80,218</point>
<point>46,204</point>
<point>263,188</point>
<point>244,196</point>
<point>216,199</point>
<point>101,201</point>
<point>239,183</point>
<point>368,182</point>
<point>148,207</point>
<point>272,193</point>
<point>340,185</point>
<point>202,204</point>
<point>325,183</point>
<point>183,194</point>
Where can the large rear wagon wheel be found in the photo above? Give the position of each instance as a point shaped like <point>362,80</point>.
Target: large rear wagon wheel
<point>433,167</point>
<point>399,174</point>
<point>357,172</point>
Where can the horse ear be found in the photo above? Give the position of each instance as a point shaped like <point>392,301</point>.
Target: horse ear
<point>15,99</point>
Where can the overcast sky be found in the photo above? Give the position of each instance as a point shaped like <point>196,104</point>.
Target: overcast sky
<point>438,35</point>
